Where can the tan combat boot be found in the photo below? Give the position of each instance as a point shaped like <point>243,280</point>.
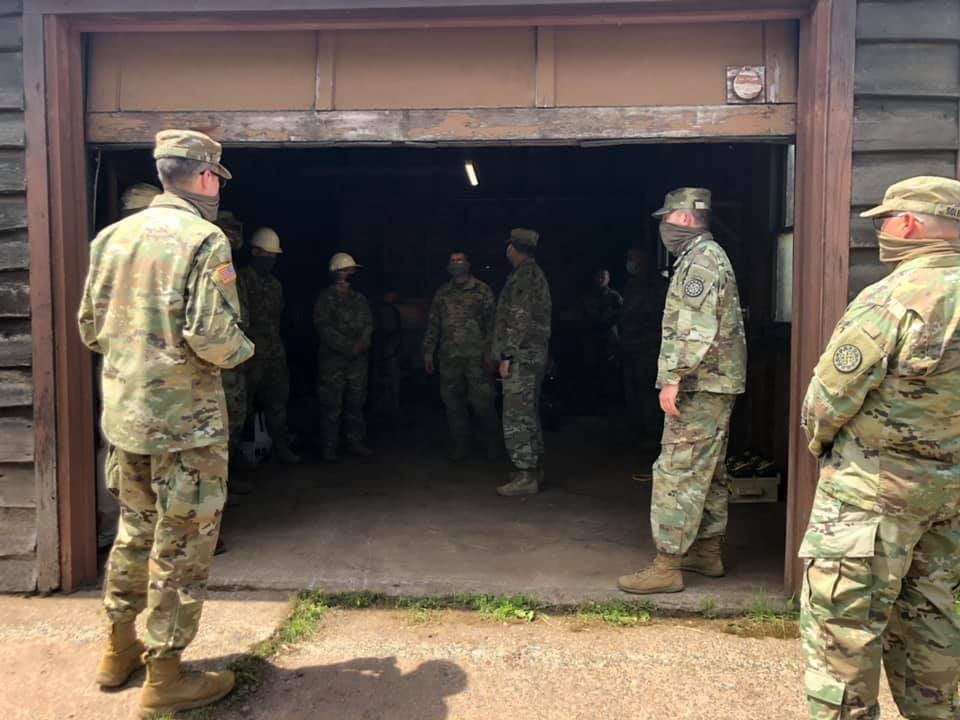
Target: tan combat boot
<point>704,558</point>
<point>522,482</point>
<point>122,656</point>
<point>168,689</point>
<point>662,576</point>
<point>458,452</point>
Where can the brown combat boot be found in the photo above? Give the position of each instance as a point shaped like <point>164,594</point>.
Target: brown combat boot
<point>704,557</point>
<point>122,656</point>
<point>662,576</point>
<point>458,452</point>
<point>168,689</point>
<point>522,482</point>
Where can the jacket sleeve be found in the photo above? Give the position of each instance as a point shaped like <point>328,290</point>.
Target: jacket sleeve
<point>488,311</point>
<point>854,363</point>
<point>513,317</point>
<point>86,317</point>
<point>432,335</point>
<point>695,324</point>
<point>329,334</point>
<point>211,328</point>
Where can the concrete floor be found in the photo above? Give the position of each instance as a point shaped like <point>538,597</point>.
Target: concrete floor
<point>408,521</point>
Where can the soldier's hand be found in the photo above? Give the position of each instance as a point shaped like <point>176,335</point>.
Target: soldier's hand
<point>428,364</point>
<point>492,366</point>
<point>504,369</point>
<point>668,400</point>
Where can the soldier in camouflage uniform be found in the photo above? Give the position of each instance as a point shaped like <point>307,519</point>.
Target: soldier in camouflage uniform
<point>461,321</point>
<point>520,337</point>
<point>701,370</point>
<point>160,305</point>
<point>268,381</point>
<point>344,325</point>
<point>882,549</point>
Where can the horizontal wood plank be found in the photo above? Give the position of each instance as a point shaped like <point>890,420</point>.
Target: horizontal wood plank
<point>18,574</point>
<point>873,173</point>
<point>10,7</point>
<point>480,125</point>
<point>862,232</point>
<point>16,388</point>
<point>885,124</point>
<point>16,349</point>
<point>13,174</point>
<point>909,69</point>
<point>14,294</point>
<point>14,251</point>
<point>16,440</point>
<point>11,81</point>
<point>18,486</point>
<point>865,269</point>
<point>11,129</point>
<point>11,37</point>
<point>13,213</point>
<point>19,531</point>
<point>908,20</point>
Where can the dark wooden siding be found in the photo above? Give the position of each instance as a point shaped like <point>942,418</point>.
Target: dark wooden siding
<point>18,504</point>
<point>906,119</point>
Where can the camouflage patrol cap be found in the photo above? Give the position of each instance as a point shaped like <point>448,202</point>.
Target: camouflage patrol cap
<point>139,196</point>
<point>685,199</point>
<point>524,236</point>
<point>192,145</point>
<point>926,194</point>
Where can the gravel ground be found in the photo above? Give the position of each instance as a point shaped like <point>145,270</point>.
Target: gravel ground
<point>402,665</point>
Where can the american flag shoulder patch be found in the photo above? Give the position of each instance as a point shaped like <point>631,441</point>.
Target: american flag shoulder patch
<point>226,274</point>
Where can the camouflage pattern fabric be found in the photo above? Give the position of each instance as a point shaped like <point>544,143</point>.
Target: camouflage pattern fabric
<point>465,381</point>
<point>342,320</point>
<point>160,304</point>
<point>521,328</point>
<point>882,550</point>
<point>235,381</point>
<point>461,321</point>
<point>521,334</point>
<point>522,430</point>
<point>171,505</point>
<point>690,487</point>
<point>703,347</point>
<point>601,311</point>
<point>268,379</point>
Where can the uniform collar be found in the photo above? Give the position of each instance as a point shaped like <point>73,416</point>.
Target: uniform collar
<point>170,200</point>
<point>706,235</point>
<point>935,261</point>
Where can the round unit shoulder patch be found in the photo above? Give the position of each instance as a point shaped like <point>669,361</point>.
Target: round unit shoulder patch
<point>693,287</point>
<point>847,358</point>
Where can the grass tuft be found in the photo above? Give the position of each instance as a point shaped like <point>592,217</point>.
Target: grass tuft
<point>708,608</point>
<point>618,612</point>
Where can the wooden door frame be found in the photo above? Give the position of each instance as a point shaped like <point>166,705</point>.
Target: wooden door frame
<point>58,219</point>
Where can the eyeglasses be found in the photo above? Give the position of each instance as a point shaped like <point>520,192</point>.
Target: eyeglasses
<point>222,180</point>
<point>879,221</point>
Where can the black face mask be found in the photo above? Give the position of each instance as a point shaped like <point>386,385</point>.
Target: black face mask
<point>263,264</point>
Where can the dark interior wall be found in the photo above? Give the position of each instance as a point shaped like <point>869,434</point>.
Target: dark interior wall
<point>400,211</point>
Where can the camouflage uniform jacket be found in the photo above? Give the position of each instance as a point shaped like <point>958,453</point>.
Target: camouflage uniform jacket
<point>703,345</point>
<point>160,304</point>
<point>521,329</point>
<point>884,400</point>
<point>264,295</point>
<point>342,320</point>
<point>461,320</point>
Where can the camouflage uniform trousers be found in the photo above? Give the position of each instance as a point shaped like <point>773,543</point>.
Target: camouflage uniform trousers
<point>463,381</point>
<point>881,586</point>
<point>171,506</point>
<point>522,431</point>
<point>342,390</point>
<point>268,383</point>
<point>235,389</point>
<point>689,478</point>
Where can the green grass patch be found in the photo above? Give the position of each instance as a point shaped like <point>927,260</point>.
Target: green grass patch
<point>708,608</point>
<point>618,612</point>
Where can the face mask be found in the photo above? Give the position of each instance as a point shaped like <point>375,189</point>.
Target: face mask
<point>896,250</point>
<point>263,264</point>
<point>209,207</point>
<point>676,237</point>
<point>631,267</point>
<point>458,269</point>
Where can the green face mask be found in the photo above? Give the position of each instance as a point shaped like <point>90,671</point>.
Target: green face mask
<point>675,238</point>
<point>209,207</point>
<point>458,269</point>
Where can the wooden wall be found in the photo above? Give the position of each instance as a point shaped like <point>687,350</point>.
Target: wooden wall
<point>906,119</point>
<point>18,495</point>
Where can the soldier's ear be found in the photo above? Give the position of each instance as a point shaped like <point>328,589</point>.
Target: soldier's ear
<point>912,225</point>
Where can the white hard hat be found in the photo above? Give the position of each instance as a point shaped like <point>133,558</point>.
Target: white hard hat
<point>267,240</point>
<point>342,261</point>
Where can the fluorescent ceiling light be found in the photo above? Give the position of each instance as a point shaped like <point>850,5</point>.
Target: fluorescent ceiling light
<point>471,173</point>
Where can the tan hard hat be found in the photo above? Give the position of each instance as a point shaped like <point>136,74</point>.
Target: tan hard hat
<point>267,240</point>
<point>342,261</point>
<point>139,196</point>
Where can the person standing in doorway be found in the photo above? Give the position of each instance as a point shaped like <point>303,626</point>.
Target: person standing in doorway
<point>160,305</point>
<point>268,381</point>
<point>461,322</point>
<point>344,325</point>
<point>701,370</point>
<point>882,413</point>
<point>601,314</point>
<point>520,340</point>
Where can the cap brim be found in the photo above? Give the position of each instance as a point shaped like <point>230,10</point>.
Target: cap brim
<point>877,211</point>
<point>660,213</point>
<point>222,171</point>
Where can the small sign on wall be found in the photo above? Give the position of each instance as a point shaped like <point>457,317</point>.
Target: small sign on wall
<point>746,84</point>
